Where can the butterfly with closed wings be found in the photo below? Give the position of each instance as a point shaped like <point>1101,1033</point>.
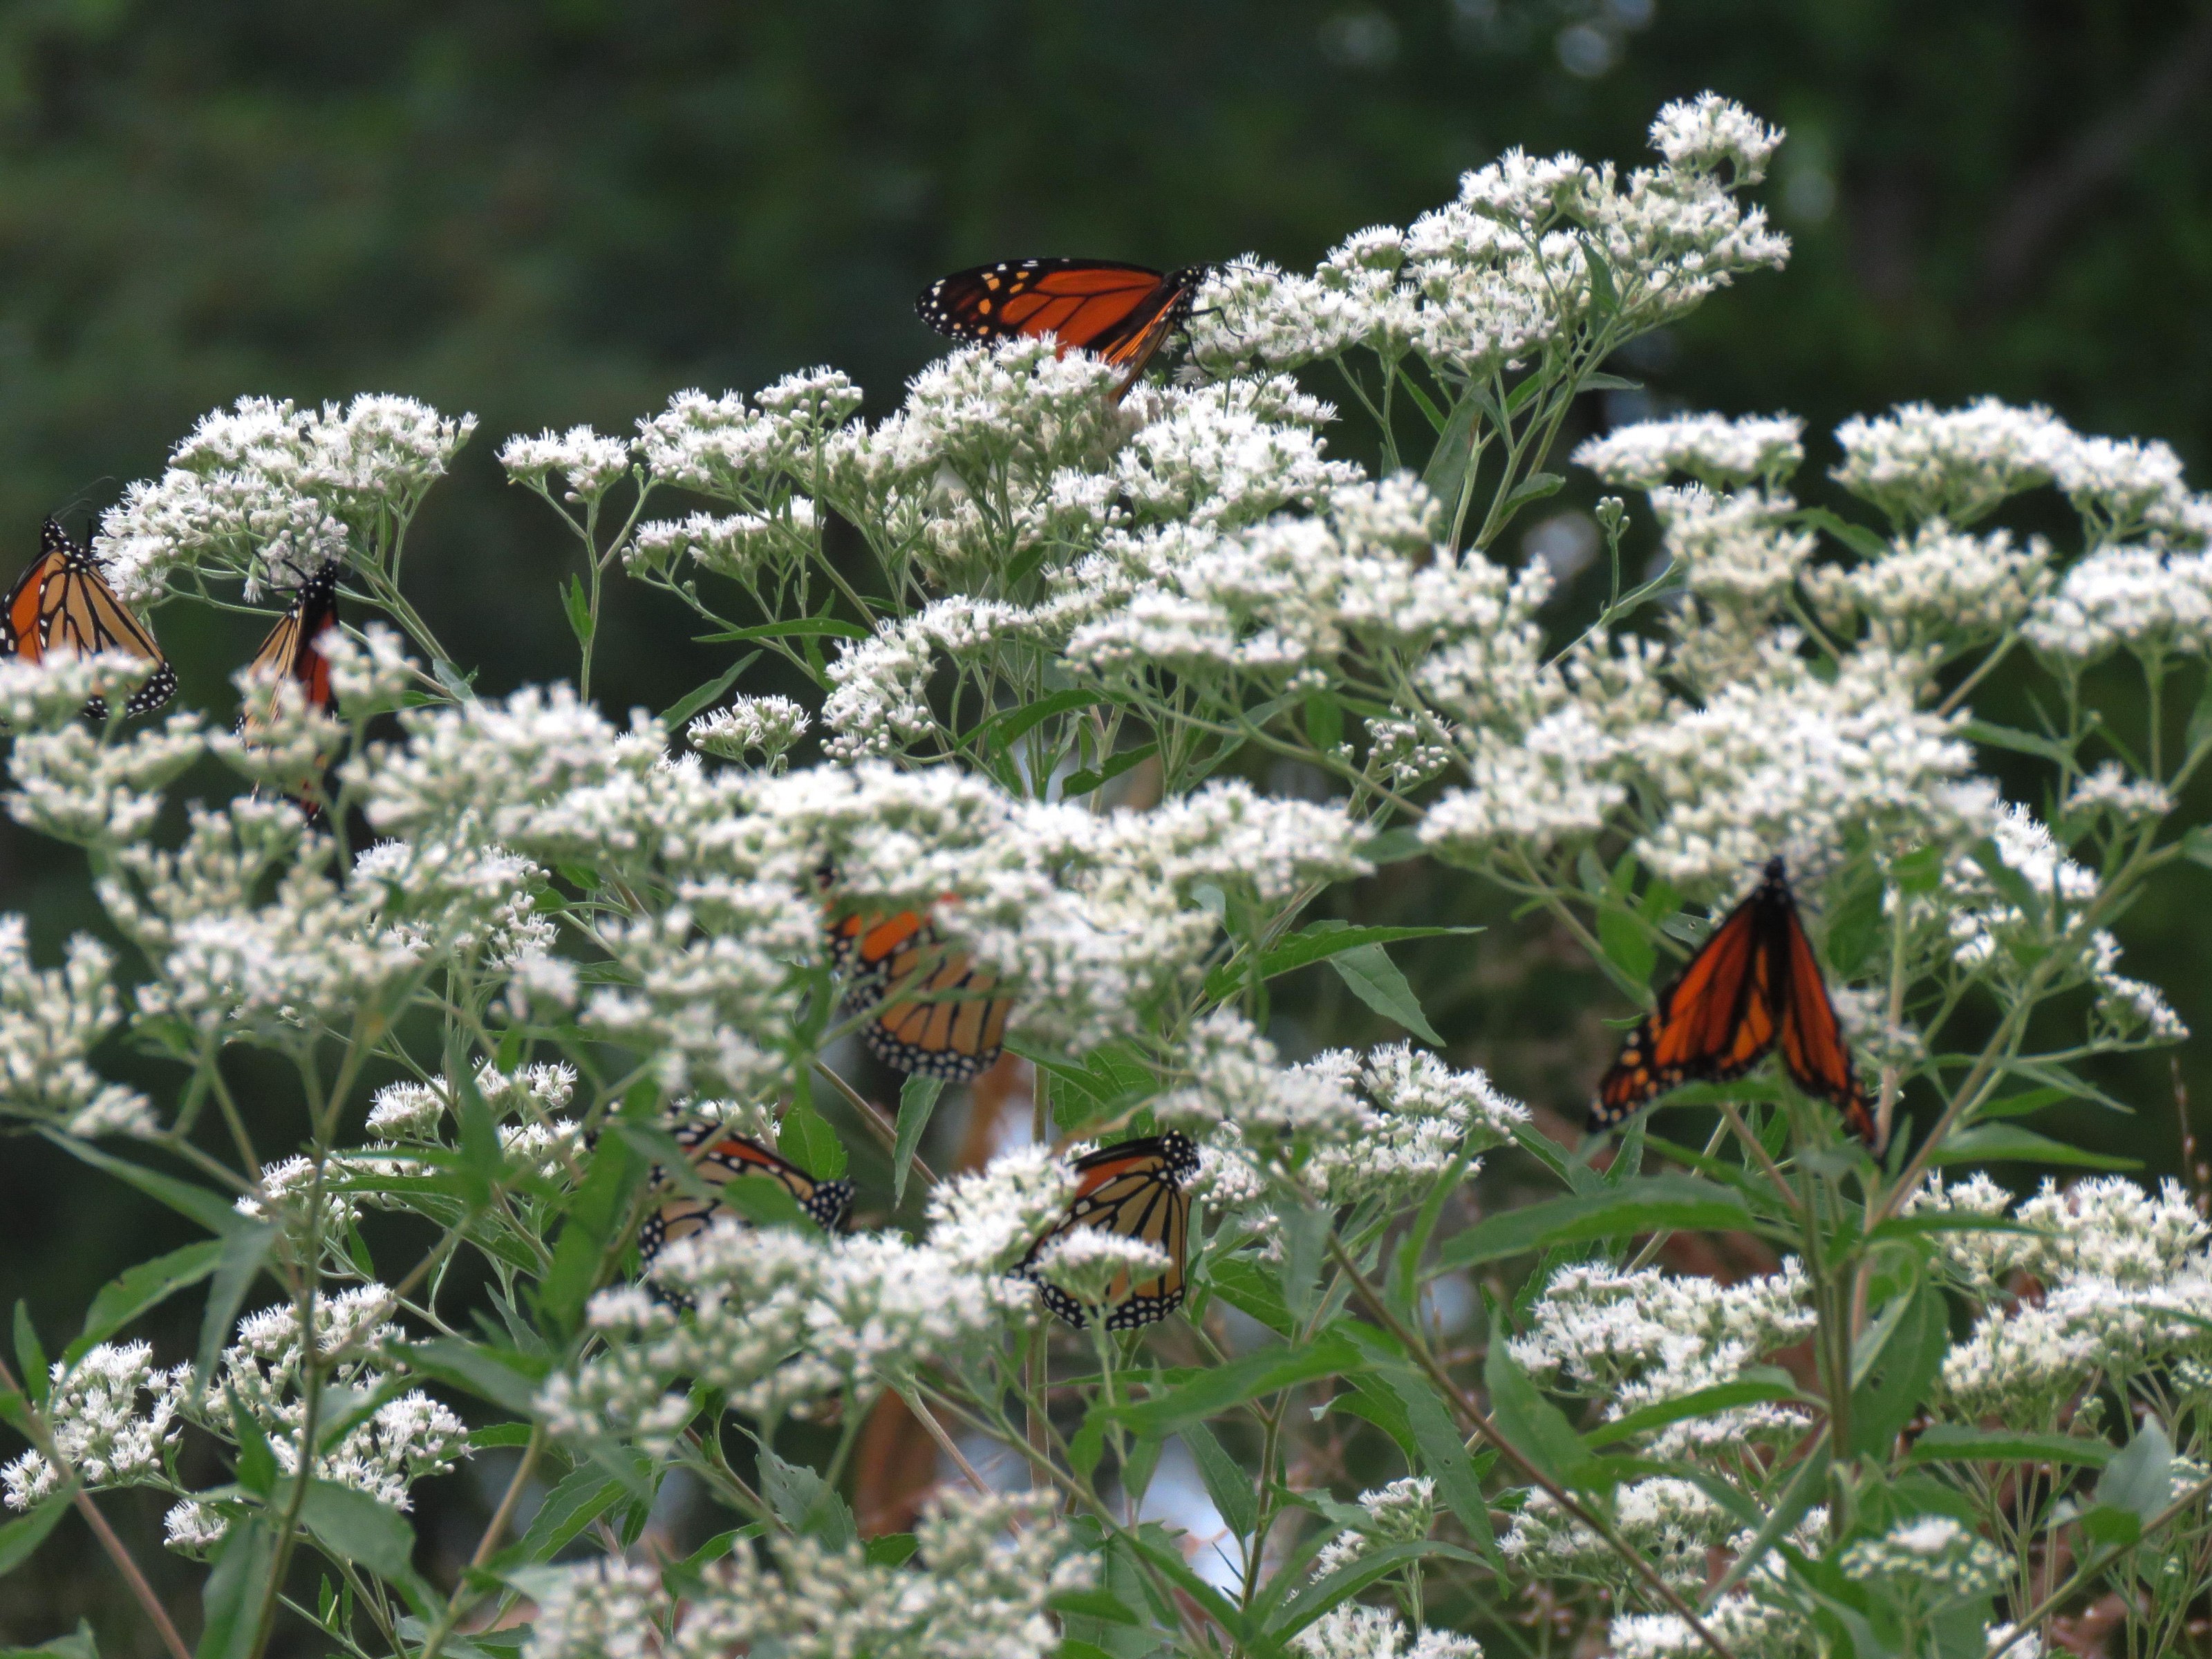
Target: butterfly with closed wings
<point>726,1159</point>
<point>1137,1189</point>
<point>62,605</point>
<point>1122,313</point>
<point>930,1010</point>
<point>1753,986</point>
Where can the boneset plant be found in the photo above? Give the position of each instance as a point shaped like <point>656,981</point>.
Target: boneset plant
<point>528,946</point>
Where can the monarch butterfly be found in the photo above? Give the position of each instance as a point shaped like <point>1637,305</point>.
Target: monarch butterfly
<point>62,604</point>
<point>1754,984</point>
<point>943,1021</point>
<point>1134,1189</point>
<point>1122,313</point>
<point>734,1157</point>
<point>293,650</point>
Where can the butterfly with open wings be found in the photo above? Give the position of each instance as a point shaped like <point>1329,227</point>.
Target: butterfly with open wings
<point>1754,986</point>
<point>1122,313</point>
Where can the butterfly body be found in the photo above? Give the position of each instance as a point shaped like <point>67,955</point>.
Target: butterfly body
<point>1753,986</point>
<point>931,1009</point>
<point>735,1157</point>
<point>62,605</point>
<point>1136,1188</point>
<point>1123,313</point>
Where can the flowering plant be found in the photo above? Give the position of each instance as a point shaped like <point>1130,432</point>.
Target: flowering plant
<point>1048,632</point>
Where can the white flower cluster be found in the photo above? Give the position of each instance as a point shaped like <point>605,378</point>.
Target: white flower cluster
<point>767,727</point>
<point>51,1021</point>
<point>1634,1340</point>
<point>2123,1283</point>
<point>100,1435</point>
<point>1532,251</point>
<point>777,1320</point>
<point>1353,1632</point>
<point>401,1441</point>
<point>1399,1513</point>
<point>1341,1126</point>
<point>1930,1559</point>
<point>985,1569</point>
<point>1718,453</point>
<point>275,493</point>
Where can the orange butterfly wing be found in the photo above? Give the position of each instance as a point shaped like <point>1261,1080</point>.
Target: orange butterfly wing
<point>1756,981</point>
<point>942,1022</point>
<point>1711,1024</point>
<point>734,1157</point>
<point>1812,1046</point>
<point>63,604</point>
<point>1123,313</point>
<point>1135,1188</point>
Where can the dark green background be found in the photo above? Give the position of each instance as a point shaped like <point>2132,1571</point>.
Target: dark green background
<point>550,213</point>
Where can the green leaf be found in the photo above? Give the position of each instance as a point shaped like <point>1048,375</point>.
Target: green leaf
<point>1668,1202</point>
<point>1868,543</point>
<point>210,1210</point>
<point>1987,1143</point>
<point>1368,972</point>
<point>918,1097</point>
<point>354,1526</point>
<point>1722,1396</point>
<point>2137,1482</point>
<point>805,1503</point>
<point>1536,487</point>
<point>1626,945</point>
<point>836,627</point>
<point>507,1379</point>
<point>243,1255</point>
<point>805,1138</point>
<point>79,1643</point>
<point>2022,742</point>
<point>2028,1100</point>
<point>136,1290</point>
<point>1324,720</point>
<point>1530,1424</point>
<point>1239,1281</point>
<point>1100,1604</point>
<point>578,603</point>
<point>1392,846</point>
<point>18,1539</point>
<point>1444,1453</point>
<point>890,1549</point>
<point>31,1355</point>
<point>1215,1390</point>
<point>1319,1595</point>
<point>256,1459</point>
<point>692,701</point>
<point>1446,472</point>
<point>459,686</point>
<point>1957,1443</point>
<point>1009,726</point>
<point>1316,942</point>
<point>231,1595</point>
<point>583,1496</point>
<point>1910,1362</point>
<point>601,1201</point>
<point>1226,1484</point>
<point>1078,784</point>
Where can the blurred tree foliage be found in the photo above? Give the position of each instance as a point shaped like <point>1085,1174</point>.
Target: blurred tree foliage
<point>551,212</point>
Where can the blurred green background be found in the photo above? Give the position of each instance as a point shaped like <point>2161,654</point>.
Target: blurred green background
<point>563,211</point>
